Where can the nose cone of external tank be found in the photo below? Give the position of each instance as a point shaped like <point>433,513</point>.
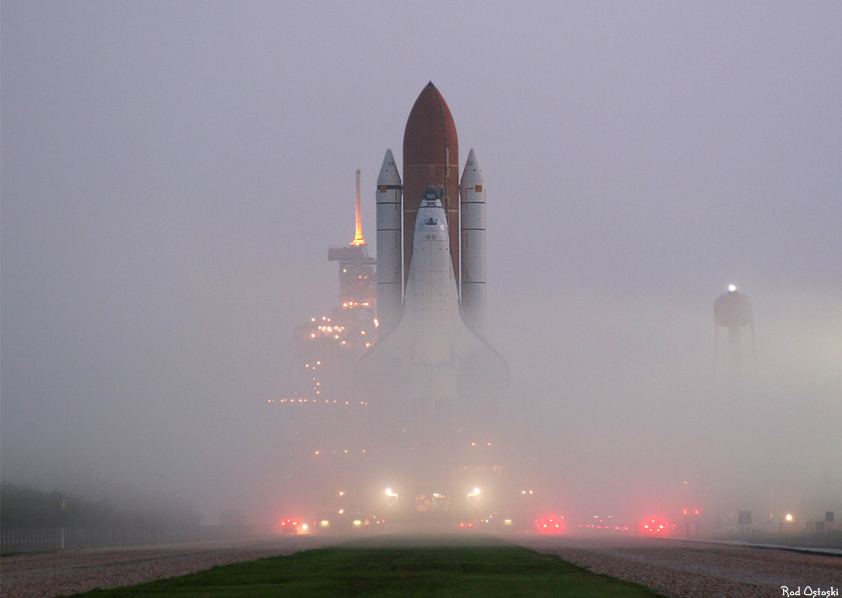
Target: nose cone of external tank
<point>430,133</point>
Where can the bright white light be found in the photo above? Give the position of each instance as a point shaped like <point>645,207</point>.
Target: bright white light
<point>788,517</point>
<point>732,288</point>
<point>473,497</point>
<point>391,498</point>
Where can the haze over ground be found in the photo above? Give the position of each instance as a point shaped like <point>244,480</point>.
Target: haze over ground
<point>172,175</point>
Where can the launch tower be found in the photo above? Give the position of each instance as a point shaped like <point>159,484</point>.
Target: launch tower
<point>357,282</point>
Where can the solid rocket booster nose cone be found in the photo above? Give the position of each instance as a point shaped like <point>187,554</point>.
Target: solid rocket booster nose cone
<point>472,172</point>
<point>389,174</point>
<point>472,157</point>
<point>388,161</point>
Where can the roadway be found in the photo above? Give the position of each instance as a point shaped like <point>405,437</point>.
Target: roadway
<point>672,567</point>
<point>697,569</point>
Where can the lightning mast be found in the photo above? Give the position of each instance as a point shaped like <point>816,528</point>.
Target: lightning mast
<point>358,234</point>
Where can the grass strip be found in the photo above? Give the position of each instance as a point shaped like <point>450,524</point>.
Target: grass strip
<point>486,568</point>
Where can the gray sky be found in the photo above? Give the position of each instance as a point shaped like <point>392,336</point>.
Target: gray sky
<point>173,173</point>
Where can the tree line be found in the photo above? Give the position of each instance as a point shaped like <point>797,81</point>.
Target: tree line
<point>27,507</point>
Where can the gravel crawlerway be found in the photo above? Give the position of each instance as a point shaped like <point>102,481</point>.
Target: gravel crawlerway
<point>673,568</point>
<point>61,573</point>
<point>697,570</point>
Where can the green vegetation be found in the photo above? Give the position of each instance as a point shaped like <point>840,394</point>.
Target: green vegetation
<point>484,568</point>
<point>27,507</point>
<point>30,508</point>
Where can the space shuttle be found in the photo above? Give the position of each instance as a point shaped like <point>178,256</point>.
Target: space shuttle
<point>432,367</point>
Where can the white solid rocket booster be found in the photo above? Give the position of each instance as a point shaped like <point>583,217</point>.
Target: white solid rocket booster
<point>472,190</point>
<point>389,245</point>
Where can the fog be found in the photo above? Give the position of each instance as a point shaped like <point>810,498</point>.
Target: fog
<point>173,174</point>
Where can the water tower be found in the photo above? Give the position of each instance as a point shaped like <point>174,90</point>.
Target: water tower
<point>733,310</point>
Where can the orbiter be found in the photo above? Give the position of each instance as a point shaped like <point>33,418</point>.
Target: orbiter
<point>432,368</point>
